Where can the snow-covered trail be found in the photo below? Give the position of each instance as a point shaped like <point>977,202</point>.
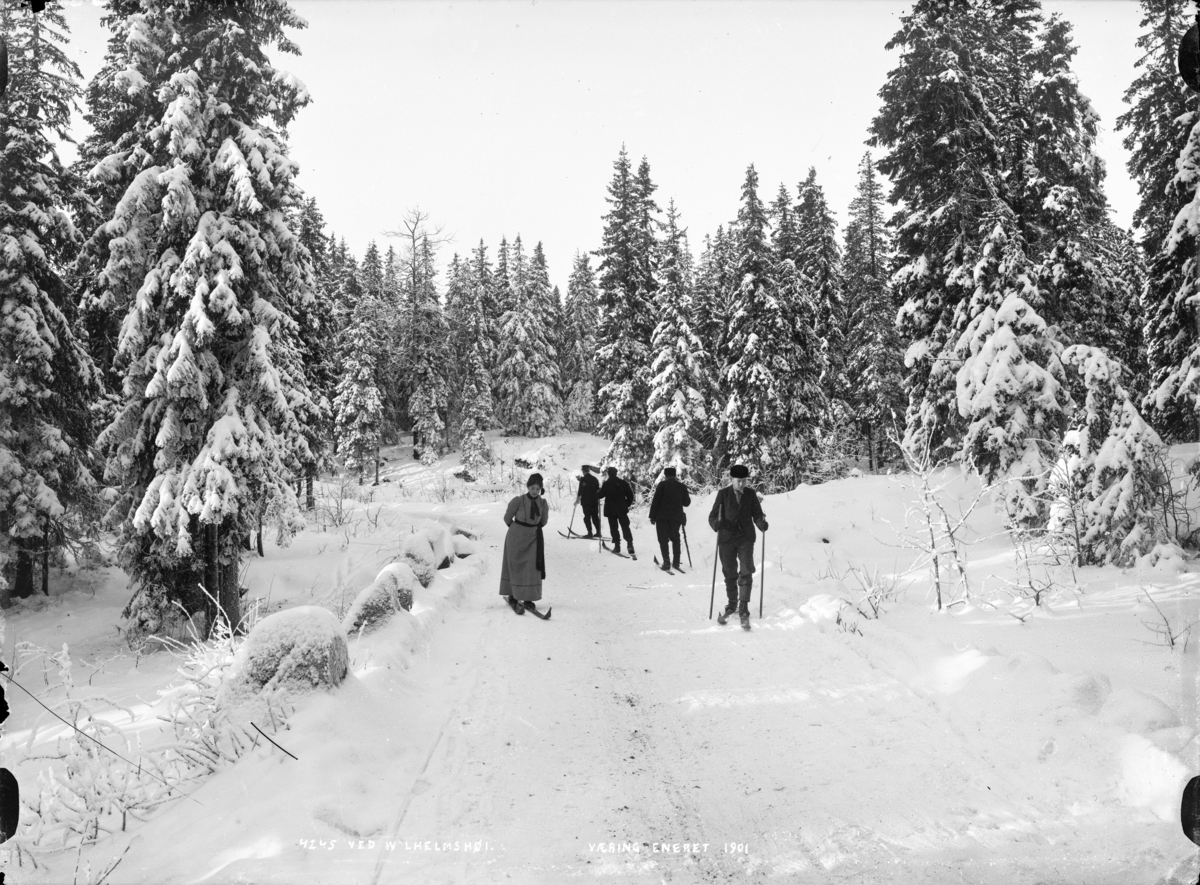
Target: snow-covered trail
<point>631,739</point>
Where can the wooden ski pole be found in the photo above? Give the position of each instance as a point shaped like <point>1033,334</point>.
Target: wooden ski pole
<point>572,522</point>
<point>713,595</point>
<point>686,547</point>
<point>762,579</point>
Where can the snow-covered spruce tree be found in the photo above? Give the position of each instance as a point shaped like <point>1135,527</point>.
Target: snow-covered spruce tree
<point>1010,384</point>
<point>942,156</point>
<point>458,310</point>
<point>711,315</point>
<point>318,347</point>
<point>714,281</point>
<point>682,375</point>
<point>1109,480</point>
<point>116,121</point>
<point>627,290</point>
<point>1124,267</point>
<point>760,354</point>
<point>476,411</point>
<point>819,261</point>
<point>1164,157</point>
<point>548,309</point>
<point>209,276</point>
<point>528,404</point>
<point>807,405</point>
<point>47,380</point>
<point>483,282</point>
<point>430,362</point>
<point>357,405</point>
<point>422,339</point>
<point>578,361</point>
<point>874,365</point>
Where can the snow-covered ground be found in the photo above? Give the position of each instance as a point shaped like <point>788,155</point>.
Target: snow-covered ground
<point>631,739</point>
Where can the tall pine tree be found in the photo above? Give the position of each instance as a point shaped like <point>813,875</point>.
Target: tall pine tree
<point>627,286</point>
<point>47,380</point>
<point>209,278</point>
<point>874,368</point>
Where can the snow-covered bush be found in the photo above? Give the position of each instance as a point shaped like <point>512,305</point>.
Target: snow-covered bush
<point>417,551</point>
<point>298,648</point>
<point>464,546</point>
<point>1110,482</point>
<point>391,591</point>
<point>442,542</point>
<point>90,791</point>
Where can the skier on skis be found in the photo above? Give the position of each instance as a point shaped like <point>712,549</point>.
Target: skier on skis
<point>523,566</point>
<point>618,497</point>
<point>735,513</point>
<point>589,489</point>
<point>666,515</point>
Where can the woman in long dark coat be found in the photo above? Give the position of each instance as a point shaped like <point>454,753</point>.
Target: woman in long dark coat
<point>523,566</point>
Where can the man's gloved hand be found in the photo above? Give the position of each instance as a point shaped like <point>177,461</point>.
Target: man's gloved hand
<point>762,525</point>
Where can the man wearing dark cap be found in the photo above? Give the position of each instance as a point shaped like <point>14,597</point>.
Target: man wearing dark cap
<point>666,515</point>
<point>618,498</point>
<point>587,496</point>
<point>735,513</point>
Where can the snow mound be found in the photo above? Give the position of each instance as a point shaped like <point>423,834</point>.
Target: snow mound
<point>1162,558</point>
<point>301,648</point>
<point>1172,740</point>
<point>464,546</point>
<point>417,551</point>
<point>1086,691</point>
<point>949,674</point>
<point>1136,711</point>
<point>391,591</point>
<point>1150,778</point>
<point>441,541</point>
<point>822,608</point>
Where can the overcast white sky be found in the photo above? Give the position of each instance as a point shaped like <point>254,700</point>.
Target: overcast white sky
<point>504,118</point>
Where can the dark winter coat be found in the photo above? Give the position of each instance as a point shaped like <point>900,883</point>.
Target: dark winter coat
<point>617,495</point>
<point>589,489</point>
<point>735,524</point>
<point>670,497</point>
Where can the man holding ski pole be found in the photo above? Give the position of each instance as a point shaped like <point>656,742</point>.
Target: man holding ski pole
<point>667,516</point>
<point>588,496</point>
<point>735,513</point>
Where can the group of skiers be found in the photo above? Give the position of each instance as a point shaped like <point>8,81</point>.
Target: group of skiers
<point>735,513</point>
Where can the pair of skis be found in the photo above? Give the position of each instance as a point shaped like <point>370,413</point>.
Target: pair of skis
<point>520,608</point>
<point>723,619</point>
<point>629,555</point>
<point>670,570</point>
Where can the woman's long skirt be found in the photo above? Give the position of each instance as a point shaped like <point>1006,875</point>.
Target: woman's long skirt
<point>519,575</point>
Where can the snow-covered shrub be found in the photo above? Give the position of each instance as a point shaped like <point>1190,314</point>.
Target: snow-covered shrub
<point>1110,481</point>
<point>442,543</point>
<point>391,590</point>
<point>154,616</point>
<point>417,551</point>
<point>464,546</point>
<point>297,648</point>
<point>90,791</point>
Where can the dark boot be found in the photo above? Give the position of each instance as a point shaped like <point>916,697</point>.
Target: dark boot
<point>665,567</point>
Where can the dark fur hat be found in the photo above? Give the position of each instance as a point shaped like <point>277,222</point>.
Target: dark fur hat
<point>669,472</point>
<point>739,471</point>
<point>612,471</point>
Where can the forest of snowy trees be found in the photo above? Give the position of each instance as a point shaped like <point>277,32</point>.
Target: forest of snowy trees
<point>186,344</point>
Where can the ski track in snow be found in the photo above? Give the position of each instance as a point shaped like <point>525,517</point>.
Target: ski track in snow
<point>591,749</point>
